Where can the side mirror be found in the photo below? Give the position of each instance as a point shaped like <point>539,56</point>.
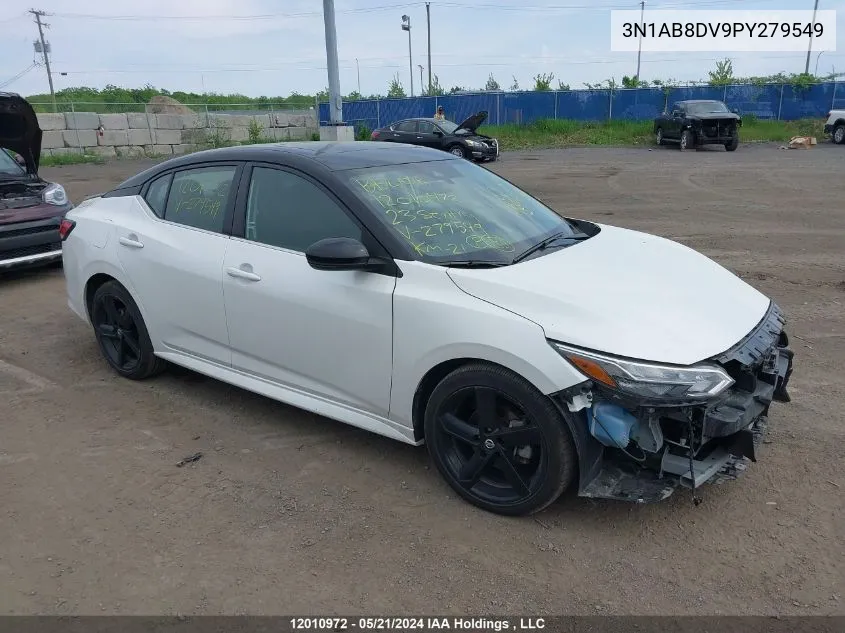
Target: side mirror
<point>340,253</point>
<point>676,113</point>
<point>735,110</point>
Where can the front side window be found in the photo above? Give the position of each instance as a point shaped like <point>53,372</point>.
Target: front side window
<point>288,211</point>
<point>426,127</point>
<point>198,197</point>
<point>455,210</point>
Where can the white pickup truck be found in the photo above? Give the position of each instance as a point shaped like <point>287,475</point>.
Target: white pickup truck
<point>835,126</point>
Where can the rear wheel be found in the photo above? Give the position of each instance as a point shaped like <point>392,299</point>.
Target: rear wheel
<point>457,150</point>
<point>733,143</point>
<point>122,334</point>
<point>499,443</point>
<point>687,140</point>
<point>839,134</point>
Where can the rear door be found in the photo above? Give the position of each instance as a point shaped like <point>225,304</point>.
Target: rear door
<point>172,250</point>
<point>676,116</point>
<point>405,132</point>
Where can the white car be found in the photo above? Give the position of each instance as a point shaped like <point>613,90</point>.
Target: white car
<point>408,292</point>
<point>835,126</point>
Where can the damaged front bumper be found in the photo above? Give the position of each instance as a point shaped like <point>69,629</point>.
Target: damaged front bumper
<point>683,446</point>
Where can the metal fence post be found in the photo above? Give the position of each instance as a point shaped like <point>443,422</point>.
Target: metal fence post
<point>833,100</point>
<point>555,105</point>
<point>378,112</point>
<point>610,106</point>
<point>780,103</point>
<point>725,94</point>
<point>498,101</point>
<point>78,141</point>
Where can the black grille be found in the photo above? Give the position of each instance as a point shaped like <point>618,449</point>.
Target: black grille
<point>31,230</point>
<point>30,250</point>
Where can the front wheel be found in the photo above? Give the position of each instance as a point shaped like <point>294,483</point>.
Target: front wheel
<point>687,140</point>
<point>839,134</point>
<point>457,150</point>
<point>733,143</point>
<point>499,443</point>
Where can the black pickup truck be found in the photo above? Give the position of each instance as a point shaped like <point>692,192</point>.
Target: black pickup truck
<point>694,123</point>
<point>31,208</point>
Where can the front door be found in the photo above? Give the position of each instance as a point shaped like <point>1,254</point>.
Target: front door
<point>405,132</point>
<point>426,135</point>
<point>325,333</point>
<point>172,248</point>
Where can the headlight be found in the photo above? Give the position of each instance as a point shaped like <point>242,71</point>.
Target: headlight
<point>664,384</point>
<point>55,194</point>
<point>472,143</point>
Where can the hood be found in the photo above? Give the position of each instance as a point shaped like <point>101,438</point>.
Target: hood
<point>721,116</point>
<point>19,129</point>
<point>626,293</point>
<point>474,122</point>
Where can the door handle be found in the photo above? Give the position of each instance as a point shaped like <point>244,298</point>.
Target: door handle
<point>243,274</point>
<point>131,241</point>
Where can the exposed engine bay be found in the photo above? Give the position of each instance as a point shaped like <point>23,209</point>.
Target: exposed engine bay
<point>20,195</point>
<point>642,453</point>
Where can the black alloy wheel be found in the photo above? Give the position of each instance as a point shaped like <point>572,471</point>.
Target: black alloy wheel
<point>499,443</point>
<point>122,334</point>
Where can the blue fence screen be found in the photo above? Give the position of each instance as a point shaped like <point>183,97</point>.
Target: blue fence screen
<point>774,101</point>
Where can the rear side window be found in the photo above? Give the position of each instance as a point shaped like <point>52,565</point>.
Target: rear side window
<point>406,126</point>
<point>198,197</point>
<point>156,196</point>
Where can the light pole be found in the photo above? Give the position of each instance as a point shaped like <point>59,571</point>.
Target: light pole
<point>640,49</point>
<point>335,103</point>
<point>406,26</point>
<point>358,68</point>
<point>816,71</point>
<point>810,49</point>
<point>422,68</point>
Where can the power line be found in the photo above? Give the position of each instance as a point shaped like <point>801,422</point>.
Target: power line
<point>18,76</point>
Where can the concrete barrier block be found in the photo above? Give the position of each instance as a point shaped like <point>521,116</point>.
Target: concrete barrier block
<point>298,133</point>
<point>82,120</point>
<point>184,148</point>
<point>113,137</point>
<point>195,135</point>
<point>52,139</point>
<point>104,151</point>
<point>130,151</point>
<point>138,120</point>
<point>193,121</point>
<point>263,120</point>
<point>66,151</point>
<point>139,137</point>
<point>51,121</point>
<point>167,136</point>
<point>168,121</point>
<point>79,138</point>
<point>239,134</point>
<point>279,134</point>
<point>279,119</point>
<point>158,150</point>
<point>114,121</point>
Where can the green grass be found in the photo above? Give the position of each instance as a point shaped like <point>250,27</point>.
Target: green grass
<point>561,133</point>
<point>70,159</point>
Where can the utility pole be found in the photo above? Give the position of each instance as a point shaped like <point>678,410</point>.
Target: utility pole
<point>44,50</point>
<point>640,49</point>
<point>428,26</point>
<point>335,103</point>
<point>421,75</point>
<point>810,49</point>
<point>358,68</point>
<point>406,26</point>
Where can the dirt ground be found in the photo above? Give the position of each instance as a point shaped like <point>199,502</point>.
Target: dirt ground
<point>290,513</point>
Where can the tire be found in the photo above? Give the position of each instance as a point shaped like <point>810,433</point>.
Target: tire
<point>518,465</point>
<point>122,334</point>
<point>659,136</point>
<point>838,135</point>
<point>687,140</point>
<point>457,150</point>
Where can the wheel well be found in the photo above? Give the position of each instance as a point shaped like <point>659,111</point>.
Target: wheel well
<point>839,122</point>
<point>428,384</point>
<point>91,287</point>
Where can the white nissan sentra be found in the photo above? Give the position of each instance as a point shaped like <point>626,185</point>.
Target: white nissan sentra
<point>417,295</point>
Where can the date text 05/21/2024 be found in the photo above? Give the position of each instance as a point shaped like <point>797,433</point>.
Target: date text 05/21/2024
<point>427,623</point>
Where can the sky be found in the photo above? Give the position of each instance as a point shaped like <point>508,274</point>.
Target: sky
<point>275,47</point>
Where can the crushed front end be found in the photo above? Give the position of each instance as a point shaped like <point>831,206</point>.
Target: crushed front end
<point>643,430</point>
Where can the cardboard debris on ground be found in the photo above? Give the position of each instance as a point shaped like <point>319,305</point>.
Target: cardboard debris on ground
<point>801,142</point>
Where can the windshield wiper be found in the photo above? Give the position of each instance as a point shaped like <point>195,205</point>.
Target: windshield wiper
<point>474,263</point>
<point>548,242</point>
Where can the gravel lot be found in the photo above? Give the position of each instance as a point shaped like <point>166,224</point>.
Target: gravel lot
<point>291,513</point>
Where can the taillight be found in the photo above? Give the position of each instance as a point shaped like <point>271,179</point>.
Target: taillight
<point>65,227</point>
<point>374,135</point>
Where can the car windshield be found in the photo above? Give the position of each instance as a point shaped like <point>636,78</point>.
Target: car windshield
<point>454,210</point>
<point>706,108</point>
<point>448,126</point>
<point>8,165</point>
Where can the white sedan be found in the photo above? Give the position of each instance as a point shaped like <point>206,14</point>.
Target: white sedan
<point>413,294</point>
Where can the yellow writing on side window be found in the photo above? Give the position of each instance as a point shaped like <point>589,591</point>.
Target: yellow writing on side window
<point>205,206</point>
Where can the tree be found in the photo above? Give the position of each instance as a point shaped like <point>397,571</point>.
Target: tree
<point>456,89</point>
<point>515,85</point>
<point>562,86</point>
<point>492,85</point>
<point>436,89</point>
<point>395,88</point>
<point>543,82</point>
<point>353,96</point>
<point>724,73</point>
<point>633,82</point>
